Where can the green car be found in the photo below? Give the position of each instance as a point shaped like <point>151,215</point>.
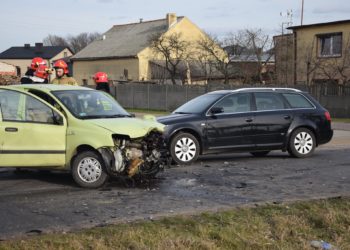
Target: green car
<point>78,129</point>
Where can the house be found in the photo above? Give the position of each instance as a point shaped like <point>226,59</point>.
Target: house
<point>250,66</point>
<point>124,52</point>
<point>317,53</point>
<point>21,57</point>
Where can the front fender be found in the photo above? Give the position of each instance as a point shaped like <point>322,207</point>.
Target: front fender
<point>172,130</point>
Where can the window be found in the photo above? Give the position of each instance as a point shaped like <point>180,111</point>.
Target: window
<point>198,104</point>
<point>90,104</point>
<point>36,111</point>
<point>269,101</point>
<point>297,101</point>
<point>330,45</point>
<point>235,103</point>
<point>9,103</point>
<point>126,74</point>
<point>16,106</point>
<point>65,54</point>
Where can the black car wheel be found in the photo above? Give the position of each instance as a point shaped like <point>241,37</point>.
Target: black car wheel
<point>88,170</point>
<point>184,148</point>
<point>260,153</point>
<point>302,143</point>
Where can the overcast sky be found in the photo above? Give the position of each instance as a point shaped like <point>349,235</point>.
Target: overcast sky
<point>30,21</point>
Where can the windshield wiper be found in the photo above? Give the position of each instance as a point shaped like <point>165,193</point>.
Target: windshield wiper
<point>103,116</point>
<point>116,116</point>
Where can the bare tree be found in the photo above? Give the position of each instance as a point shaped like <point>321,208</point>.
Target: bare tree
<point>243,56</point>
<point>344,65</point>
<point>75,43</point>
<point>53,40</point>
<point>204,63</point>
<point>258,46</point>
<point>173,50</point>
<point>211,50</point>
<point>338,67</point>
<point>80,41</point>
<point>312,62</point>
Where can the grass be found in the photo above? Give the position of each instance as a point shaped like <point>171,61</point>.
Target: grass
<point>284,226</point>
<point>346,120</point>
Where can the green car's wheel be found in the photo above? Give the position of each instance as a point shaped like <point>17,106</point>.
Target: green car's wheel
<point>88,170</point>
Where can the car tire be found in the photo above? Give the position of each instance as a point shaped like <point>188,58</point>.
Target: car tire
<point>88,170</point>
<point>259,153</point>
<point>184,148</point>
<point>302,143</point>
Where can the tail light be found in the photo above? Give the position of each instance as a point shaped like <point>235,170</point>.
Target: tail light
<point>328,116</point>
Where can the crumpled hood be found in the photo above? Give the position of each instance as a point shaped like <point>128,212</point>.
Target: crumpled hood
<point>133,127</point>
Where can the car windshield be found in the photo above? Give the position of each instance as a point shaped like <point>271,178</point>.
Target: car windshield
<point>90,104</point>
<point>198,104</point>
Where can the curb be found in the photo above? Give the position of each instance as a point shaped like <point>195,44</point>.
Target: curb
<point>341,126</point>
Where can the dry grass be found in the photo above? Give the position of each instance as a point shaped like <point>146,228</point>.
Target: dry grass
<point>346,120</point>
<point>286,226</point>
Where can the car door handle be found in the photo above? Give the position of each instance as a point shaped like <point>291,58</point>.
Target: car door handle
<point>287,117</point>
<point>11,129</point>
<point>249,119</point>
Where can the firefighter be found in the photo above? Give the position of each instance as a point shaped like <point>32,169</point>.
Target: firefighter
<point>41,75</point>
<point>36,62</point>
<point>62,74</point>
<point>101,81</point>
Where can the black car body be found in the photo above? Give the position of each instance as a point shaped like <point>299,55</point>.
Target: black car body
<point>256,120</point>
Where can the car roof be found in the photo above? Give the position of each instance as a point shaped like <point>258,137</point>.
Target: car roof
<point>45,87</point>
<point>249,90</point>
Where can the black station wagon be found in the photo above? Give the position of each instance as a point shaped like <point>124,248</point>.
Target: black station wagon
<point>255,120</point>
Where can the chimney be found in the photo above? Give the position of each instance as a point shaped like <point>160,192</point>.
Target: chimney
<point>26,45</point>
<point>171,19</point>
<point>38,47</point>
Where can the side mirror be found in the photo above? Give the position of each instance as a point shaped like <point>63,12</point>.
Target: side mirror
<point>216,110</point>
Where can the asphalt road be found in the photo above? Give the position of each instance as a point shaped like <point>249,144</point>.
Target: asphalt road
<point>35,202</point>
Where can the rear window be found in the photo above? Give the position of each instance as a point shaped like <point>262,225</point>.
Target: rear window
<point>298,101</point>
<point>268,101</point>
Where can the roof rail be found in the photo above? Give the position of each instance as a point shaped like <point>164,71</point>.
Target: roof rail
<point>273,89</point>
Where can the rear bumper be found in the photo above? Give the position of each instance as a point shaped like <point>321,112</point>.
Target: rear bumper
<point>325,136</point>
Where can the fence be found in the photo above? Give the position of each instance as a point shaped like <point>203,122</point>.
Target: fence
<point>168,97</point>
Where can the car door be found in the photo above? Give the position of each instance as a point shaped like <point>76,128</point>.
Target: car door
<point>232,127</point>
<point>272,119</point>
<point>32,134</point>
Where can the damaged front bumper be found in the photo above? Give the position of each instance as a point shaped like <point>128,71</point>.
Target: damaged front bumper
<point>142,157</point>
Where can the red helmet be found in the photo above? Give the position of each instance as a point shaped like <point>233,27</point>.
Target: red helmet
<point>36,61</point>
<point>100,77</point>
<point>60,64</point>
<point>42,72</point>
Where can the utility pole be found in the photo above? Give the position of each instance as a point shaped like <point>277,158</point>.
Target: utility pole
<point>302,12</point>
<point>289,16</point>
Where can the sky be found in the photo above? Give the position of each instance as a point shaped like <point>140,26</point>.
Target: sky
<point>30,21</point>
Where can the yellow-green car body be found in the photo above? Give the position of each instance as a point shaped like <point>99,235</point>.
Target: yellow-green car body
<point>50,126</point>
